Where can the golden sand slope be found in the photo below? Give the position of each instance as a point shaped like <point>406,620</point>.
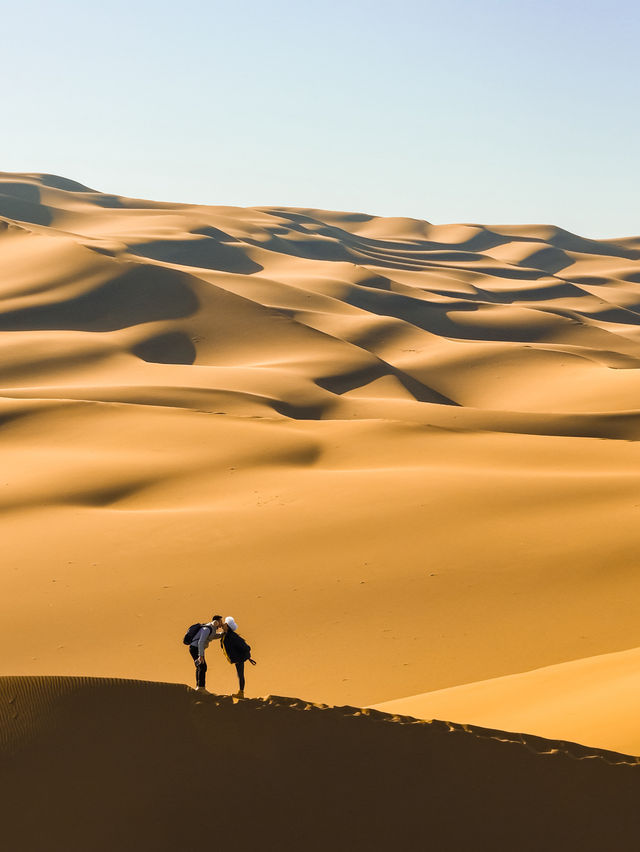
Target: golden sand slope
<point>126,765</point>
<point>403,456</point>
<point>596,700</point>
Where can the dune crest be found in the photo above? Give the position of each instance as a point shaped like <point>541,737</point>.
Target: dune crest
<point>460,316</point>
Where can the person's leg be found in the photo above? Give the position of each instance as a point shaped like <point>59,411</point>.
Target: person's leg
<point>201,670</point>
<point>202,674</point>
<point>194,654</point>
<point>240,670</point>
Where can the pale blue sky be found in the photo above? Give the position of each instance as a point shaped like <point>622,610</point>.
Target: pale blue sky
<point>453,111</point>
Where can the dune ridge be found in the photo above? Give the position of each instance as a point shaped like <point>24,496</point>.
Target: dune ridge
<point>594,700</point>
<point>311,285</point>
<point>412,445</point>
<point>117,761</point>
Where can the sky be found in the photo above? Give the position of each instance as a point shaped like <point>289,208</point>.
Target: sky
<point>489,111</point>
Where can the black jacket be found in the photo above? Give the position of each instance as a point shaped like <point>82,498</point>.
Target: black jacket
<point>234,647</point>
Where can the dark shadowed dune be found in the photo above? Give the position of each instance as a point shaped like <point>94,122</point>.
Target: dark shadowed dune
<point>135,295</point>
<point>22,202</point>
<point>206,253</point>
<point>172,348</point>
<point>58,182</point>
<point>127,765</point>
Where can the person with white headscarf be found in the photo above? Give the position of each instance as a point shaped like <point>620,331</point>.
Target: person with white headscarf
<point>235,649</point>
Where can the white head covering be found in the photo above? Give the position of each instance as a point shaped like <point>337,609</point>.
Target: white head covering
<point>229,620</point>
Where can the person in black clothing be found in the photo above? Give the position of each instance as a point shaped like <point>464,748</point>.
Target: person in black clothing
<point>197,648</point>
<point>234,648</point>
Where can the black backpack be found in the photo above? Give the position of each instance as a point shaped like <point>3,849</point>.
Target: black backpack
<point>242,646</point>
<point>192,632</point>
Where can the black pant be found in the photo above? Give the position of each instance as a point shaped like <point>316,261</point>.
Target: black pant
<point>240,670</point>
<point>201,668</point>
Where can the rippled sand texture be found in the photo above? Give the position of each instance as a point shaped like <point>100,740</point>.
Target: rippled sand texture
<point>403,456</point>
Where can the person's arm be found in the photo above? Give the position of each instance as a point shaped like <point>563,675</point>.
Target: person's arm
<point>205,633</point>
<point>203,639</point>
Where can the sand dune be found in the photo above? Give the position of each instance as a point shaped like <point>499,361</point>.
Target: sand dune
<point>403,455</point>
<point>115,764</point>
<point>592,700</point>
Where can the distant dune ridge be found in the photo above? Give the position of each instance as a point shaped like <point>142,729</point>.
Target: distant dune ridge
<point>126,765</point>
<point>404,456</point>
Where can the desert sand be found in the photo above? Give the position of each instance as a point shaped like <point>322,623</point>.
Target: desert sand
<point>126,765</point>
<point>403,456</point>
<point>595,700</point>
